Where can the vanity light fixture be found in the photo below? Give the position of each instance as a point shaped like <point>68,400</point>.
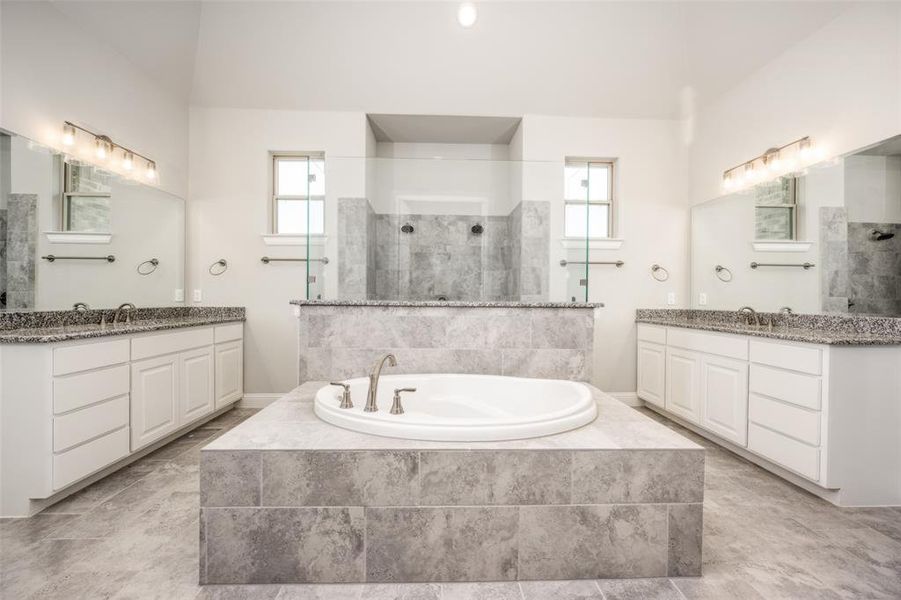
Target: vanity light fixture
<point>68,134</point>
<point>772,163</point>
<point>106,149</point>
<point>467,15</point>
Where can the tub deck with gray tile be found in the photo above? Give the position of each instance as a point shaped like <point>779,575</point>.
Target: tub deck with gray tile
<point>287,498</point>
<point>133,535</point>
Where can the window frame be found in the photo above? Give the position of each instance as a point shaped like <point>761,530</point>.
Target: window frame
<point>792,211</point>
<point>66,195</point>
<point>610,203</point>
<point>274,157</point>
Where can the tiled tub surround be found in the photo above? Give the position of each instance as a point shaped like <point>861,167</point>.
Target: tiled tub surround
<point>288,498</point>
<point>21,241</point>
<point>342,339</point>
<point>828,329</point>
<point>50,326</point>
<point>442,257</point>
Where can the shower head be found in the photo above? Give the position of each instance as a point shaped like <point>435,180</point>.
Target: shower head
<point>879,236</point>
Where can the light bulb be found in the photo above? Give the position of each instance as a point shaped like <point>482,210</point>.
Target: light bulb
<point>750,173</point>
<point>467,14</point>
<point>128,160</point>
<point>151,170</point>
<point>773,162</point>
<point>100,149</point>
<point>728,181</point>
<point>806,151</point>
<point>68,135</point>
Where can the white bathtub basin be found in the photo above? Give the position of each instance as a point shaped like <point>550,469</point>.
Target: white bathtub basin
<point>464,408</point>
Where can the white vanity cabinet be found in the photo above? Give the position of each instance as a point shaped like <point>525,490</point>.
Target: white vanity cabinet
<point>825,417</point>
<point>72,409</point>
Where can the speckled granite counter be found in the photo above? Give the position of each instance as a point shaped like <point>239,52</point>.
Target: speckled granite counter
<point>848,330</point>
<point>449,304</point>
<point>44,327</point>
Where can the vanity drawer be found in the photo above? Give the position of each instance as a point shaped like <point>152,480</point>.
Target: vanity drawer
<point>76,427</point>
<point>229,333</point>
<point>168,343</point>
<point>83,357</point>
<point>720,344</point>
<point>786,356</point>
<point>799,423</point>
<point>783,450</point>
<point>651,333</point>
<point>74,391</point>
<point>795,388</point>
<point>83,460</point>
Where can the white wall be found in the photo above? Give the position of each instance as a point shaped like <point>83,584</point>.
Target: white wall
<point>469,179</point>
<point>873,189</point>
<point>53,71</point>
<point>841,86</point>
<point>652,214</point>
<point>229,211</point>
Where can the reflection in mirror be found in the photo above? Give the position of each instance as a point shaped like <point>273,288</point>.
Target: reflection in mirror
<point>842,218</point>
<point>75,233</point>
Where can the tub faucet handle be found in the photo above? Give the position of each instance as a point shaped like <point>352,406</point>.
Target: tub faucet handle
<point>345,397</point>
<point>396,407</point>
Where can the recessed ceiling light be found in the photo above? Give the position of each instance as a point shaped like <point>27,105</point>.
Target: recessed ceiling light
<point>467,14</point>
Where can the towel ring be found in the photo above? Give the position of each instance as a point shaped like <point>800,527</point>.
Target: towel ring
<point>659,273</point>
<point>152,264</point>
<point>723,274</point>
<point>222,263</point>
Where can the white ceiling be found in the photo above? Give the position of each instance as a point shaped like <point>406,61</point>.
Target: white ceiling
<point>625,59</point>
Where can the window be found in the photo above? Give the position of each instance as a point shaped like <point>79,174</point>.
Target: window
<point>588,198</point>
<point>298,193</point>
<point>775,209</point>
<point>85,199</point>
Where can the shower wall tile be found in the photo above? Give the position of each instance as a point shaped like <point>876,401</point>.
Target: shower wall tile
<point>3,280</point>
<point>343,341</point>
<point>355,248</point>
<point>874,282</point>
<point>21,249</point>
<point>834,257</point>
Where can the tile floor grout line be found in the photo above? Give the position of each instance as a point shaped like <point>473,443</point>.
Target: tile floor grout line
<point>676,587</point>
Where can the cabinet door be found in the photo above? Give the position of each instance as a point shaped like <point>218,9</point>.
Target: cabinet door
<point>229,372</point>
<point>154,399</point>
<point>683,369</point>
<point>651,373</point>
<point>196,375</point>
<point>724,398</point>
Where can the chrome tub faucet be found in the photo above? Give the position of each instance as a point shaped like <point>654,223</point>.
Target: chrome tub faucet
<point>374,381</point>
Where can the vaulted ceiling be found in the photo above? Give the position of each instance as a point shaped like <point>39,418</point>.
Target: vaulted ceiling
<point>623,59</point>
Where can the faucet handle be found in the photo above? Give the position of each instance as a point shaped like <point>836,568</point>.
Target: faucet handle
<point>396,407</point>
<point>345,397</point>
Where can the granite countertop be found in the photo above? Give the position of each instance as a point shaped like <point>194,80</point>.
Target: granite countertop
<point>812,329</point>
<point>290,423</point>
<point>449,303</point>
<point>55,326</point>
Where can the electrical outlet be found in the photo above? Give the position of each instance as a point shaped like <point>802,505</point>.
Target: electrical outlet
<point>671,298</point>
<point>702,299</point>
<point>198,295</point>
<point>179,295</point>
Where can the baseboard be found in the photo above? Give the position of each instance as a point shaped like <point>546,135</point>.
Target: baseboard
<point>627,398</point>
<point>258,400</point>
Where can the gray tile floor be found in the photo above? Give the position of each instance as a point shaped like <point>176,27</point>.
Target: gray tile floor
<point>134,535</point>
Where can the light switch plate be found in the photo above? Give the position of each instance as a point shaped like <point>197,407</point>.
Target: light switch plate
<point>179,295</point>
<point>671,298</point>
<point>702,299</point>
<point>198,295</point>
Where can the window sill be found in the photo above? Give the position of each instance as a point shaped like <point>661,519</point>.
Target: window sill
<point>781,246</point>
<point>594,244</point>
<point>78,237</point>
<point>293,239</point>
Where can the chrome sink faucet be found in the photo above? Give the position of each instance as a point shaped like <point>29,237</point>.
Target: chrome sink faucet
<point>128,306</point>
<point>374,381</point>
<point>749,313</point>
